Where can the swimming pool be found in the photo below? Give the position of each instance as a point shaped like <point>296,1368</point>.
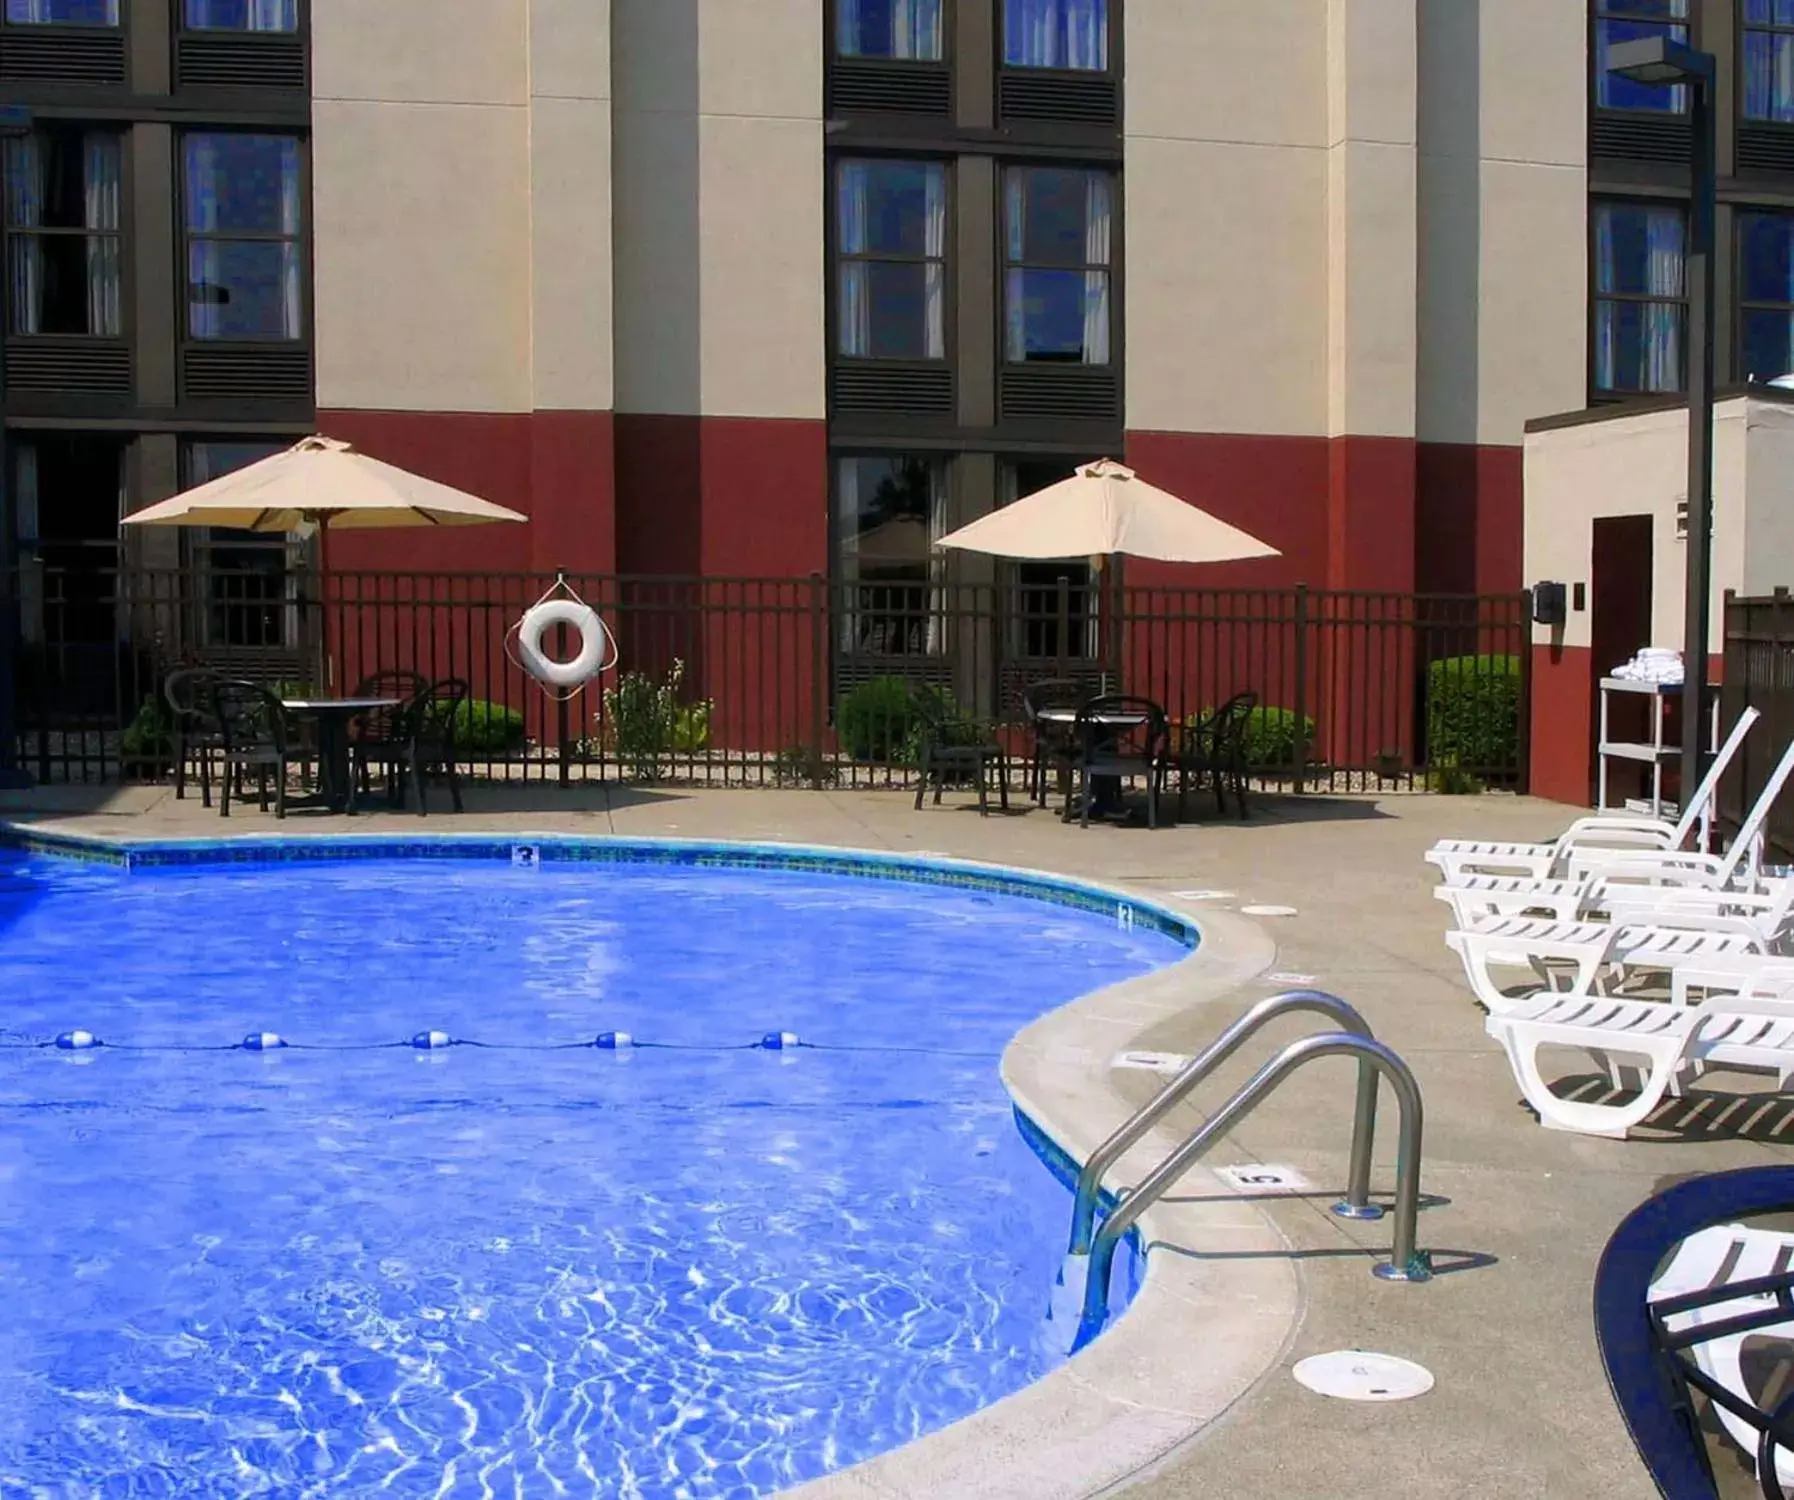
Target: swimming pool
<point>518,1265</point>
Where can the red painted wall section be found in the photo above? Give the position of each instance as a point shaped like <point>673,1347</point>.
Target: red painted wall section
<point>1562,727</point>
<point>765,498</point>
<point>1370,513</point>
<point>1468,519</point>
<point>659,495</point>
<point>1273,487</point>
<point>555,467</point>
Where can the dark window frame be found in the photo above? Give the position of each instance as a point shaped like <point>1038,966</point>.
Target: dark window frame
<point>235,608</point>
<point>1743,304</point>
<point>1599,394</point>
<point>1019,619</point>
<point>831,35</point>
<point>121,26</point>
<point>301,28</point>
<point>1111,46</point>
<point>1112,269</point>
<point>124,236</point>
<point>837,258</point>
<point>1745,30</point>
<point>935,580</point>
<point>300,238</point>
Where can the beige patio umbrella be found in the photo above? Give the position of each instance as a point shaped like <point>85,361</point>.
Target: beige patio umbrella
<point>1102,510</point>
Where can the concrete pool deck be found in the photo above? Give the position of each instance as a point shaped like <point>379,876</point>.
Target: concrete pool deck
<point>1516,1215</point>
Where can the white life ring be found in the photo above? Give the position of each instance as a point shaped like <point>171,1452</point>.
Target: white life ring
<point>596,647</point>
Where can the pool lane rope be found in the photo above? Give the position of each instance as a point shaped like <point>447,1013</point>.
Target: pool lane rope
<point>435,1040</point>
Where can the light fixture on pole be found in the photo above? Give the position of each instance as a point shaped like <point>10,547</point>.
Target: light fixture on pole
<point>1662,60</point>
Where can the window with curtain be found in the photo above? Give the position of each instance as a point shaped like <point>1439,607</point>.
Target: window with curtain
<point>62,12</point>
<point>890,509</point>
<point>1765,295</point>
<point>63,224</point>
<point>241,200</point>
<point>1057,228</point>
<point>891,249</point>
<point>906,29</point>
<point>1038,624</point>
<point>240,15</point>
<point>1071,34</point>
<point>1641,297</point>
<point>250,583</point>
<point>1625,21</point>
<point>1768,83</point>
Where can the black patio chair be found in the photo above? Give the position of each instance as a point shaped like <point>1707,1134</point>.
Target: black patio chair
<point>1214,747</point>
<point>1055,743</point>
<point>383,729</point>
<point>957,747</point>
<point>255,735</point>
<point>188,693</point>
<point>424,743</point>
<point>1122,737</point>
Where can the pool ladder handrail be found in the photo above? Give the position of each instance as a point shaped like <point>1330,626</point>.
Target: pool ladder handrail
<point>1354,1038</point>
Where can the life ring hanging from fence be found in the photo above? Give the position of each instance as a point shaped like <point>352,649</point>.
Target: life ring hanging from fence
<point>597,646</point>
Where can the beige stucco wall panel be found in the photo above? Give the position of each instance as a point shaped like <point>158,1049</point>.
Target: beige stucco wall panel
<point>1372,80</point>
<point>1624,467</point>
<point>656,293</point>
<point>1372,291</point>
<point>761,58</point>
<point>1270,87</point>
<point>763,274</point>
<point>422,257</point>
<point>569,49</point>
<point>1226,288</point>
<point>570,254</point>
<point>1532,94</point>
<point>421,51</point>
<point>1768,560</point>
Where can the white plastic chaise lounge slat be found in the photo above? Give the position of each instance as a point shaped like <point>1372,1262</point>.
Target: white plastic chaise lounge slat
<point>1768,912</point>
<point>1736,1031</point>
<point>1458,857</point>
<point>1597,950</point>
<point>1713,1258</point>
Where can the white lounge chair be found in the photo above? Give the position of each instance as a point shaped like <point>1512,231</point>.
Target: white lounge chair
<point>1748,1031</point>
<point>1597,954</point>
<point>1611,831</point>
<point>1724,1255</point>
<point>1589,898</point>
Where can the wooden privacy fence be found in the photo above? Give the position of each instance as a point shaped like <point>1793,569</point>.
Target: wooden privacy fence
<point>795,681</point>
<point>1759,673</point>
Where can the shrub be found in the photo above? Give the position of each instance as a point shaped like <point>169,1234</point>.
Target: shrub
<point>876,721</point>
<point>646,720</point>
<point>149,736</point>
<point>953,725</point>
<point>483,728</point>
<point>1271,737</point>
<point>1473,713</point>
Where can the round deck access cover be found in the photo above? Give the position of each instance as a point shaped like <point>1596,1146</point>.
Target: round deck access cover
<point>1269,911</point>
<point>1358,1375</point>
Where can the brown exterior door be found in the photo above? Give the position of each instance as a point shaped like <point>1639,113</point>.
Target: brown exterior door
<point>1619,624</point>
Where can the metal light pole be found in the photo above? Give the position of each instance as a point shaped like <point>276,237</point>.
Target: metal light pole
<point>14,120</point>
<point>1660,60</point>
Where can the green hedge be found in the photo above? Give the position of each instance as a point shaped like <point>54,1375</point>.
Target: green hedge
<point>1473,713</point>
<point>483,728</point>
<point>877,720</point>
<point>1271,737</point>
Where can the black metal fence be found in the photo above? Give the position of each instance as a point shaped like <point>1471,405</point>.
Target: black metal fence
<point>1759,673</point>
<point>801,682</point>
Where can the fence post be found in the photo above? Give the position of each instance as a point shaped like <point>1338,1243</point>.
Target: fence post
<point>562,703</point>
<point>818,674</point>
<point>1525,655</point>
<point>1301,674</point>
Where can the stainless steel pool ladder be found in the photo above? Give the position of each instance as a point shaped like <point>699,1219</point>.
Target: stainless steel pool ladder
<point>1353,1038</point>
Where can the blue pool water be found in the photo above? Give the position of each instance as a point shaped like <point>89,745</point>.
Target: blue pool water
<point>699,1270</point>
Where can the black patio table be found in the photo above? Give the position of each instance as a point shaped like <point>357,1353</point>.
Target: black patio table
<point>333,717</point>
<point>1105,791</point>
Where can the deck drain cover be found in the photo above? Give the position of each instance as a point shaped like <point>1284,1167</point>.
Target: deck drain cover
<point>1203,895</point>
<point>1269,911</point>
<point>1358,1375</point>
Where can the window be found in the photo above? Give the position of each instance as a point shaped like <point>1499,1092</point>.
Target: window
<point>241,200</point>
<point>62,12</point>
<point>251,583</point>
<point>1071,34</point>
<point>890,511</point>
<point>1769,60</point>
<point>1625,21</point>
<point>1765,295</point>
<point>1041,628</point>
<point>63,260</point>
<point>1640,301</point>
<point>893,268</point>
<point>907,29</point>
<point>241,15</point>
<point>1057,230</point>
